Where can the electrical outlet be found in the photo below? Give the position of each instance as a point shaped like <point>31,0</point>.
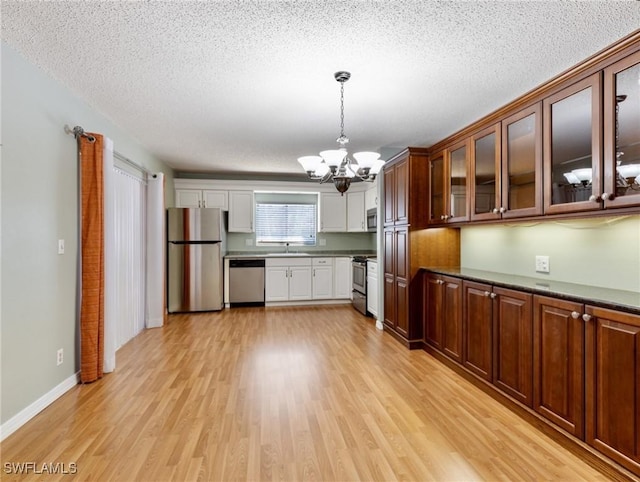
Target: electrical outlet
<point>61,246</point>
<point>323,242</point>
<point>60,357</point>
<point>542,264</point>
<point>248,242</point>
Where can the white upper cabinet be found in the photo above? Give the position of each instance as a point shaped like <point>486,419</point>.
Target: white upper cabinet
<point>371,197</point>
<point>241,211</point>
<point>216,199</point>
<point>188,198</point>
<point>333,212</point>
<point>355,212</point>
<point>196,198</point>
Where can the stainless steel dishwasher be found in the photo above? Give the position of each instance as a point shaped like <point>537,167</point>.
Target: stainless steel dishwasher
<point>246,281</point>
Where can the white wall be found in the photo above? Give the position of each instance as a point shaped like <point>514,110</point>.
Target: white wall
<point>601,252</point>
<point>39,206</point>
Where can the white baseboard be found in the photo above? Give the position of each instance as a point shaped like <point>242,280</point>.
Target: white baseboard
<point>337,301</point>
<point>155,322</point>
<point>22,417</point>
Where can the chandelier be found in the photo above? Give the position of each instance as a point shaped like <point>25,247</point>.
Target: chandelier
<point>335,165</point>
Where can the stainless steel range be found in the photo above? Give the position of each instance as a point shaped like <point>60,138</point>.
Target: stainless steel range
<point>359,283</point>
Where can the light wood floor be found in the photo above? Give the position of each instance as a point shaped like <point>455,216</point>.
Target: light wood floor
<point>284,394</point>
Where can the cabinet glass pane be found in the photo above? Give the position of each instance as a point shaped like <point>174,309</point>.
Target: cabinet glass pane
<point>628,131</point>
<point>437,189</point>
<point>571,148</point>
<point>521,163</point>
<point>485,175</point>
<point>458,182</point>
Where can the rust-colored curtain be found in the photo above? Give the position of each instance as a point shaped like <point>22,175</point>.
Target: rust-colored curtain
<point>92,255</point>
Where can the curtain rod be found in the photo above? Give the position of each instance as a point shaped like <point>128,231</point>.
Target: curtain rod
<point>78,132</point>
<point>133,164</point>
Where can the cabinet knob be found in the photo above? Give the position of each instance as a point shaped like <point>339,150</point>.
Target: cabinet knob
<point>609,196</point>
<point>495,210</point>
<point>486,293</point>
<point>586,317</point>
<point>575,315</point>
<point>493,296</point>
<point>440,282</point>
<point>594,198</point>
<point>503,210</point>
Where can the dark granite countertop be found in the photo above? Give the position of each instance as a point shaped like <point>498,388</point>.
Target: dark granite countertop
<point>628,301</point>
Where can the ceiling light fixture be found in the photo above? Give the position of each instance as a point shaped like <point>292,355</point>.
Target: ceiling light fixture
<point>336,165</point>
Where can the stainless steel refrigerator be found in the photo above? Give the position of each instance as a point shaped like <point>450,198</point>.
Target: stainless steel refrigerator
<point>196,245</point>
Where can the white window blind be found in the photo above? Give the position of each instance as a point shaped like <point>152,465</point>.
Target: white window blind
<point>279,223</point>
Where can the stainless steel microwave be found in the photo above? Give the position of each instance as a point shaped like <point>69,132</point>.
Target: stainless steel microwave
<point>372,219</point>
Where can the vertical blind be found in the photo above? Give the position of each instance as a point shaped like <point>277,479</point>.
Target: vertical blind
<point>129,265</point>
<point>280,223</point>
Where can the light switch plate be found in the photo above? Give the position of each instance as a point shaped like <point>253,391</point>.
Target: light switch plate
<point>61,246</point>
<point>542,264</point>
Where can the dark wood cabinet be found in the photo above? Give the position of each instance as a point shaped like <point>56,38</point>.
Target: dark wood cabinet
<point>622,133</point>
<point>613,385</point>
<point>478,329</point>
<point>406,247</point>
<point>449,185</point>
<point>405,189</point>
<point>512,344</point>
<point>433,310</point>
<point>389,196</point>
<point>397,313</point>
<point>558,362</point>
<point>576,365</point>
<point>572,120</point>
<point>443,320</point>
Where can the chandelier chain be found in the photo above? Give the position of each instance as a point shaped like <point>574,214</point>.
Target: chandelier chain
<point>341,110</point>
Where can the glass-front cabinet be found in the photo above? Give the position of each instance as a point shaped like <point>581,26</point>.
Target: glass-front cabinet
<point>622,133</point>
<point>522,163</point>
<point>456,175</point>
<point>436,189</point>
<point>448,187</point>
<point>485,174</point>
<point>572,146</point>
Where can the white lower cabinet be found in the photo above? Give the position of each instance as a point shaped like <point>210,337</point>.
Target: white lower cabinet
<point>287,279</point>
<point>372,288</point>
<point>342,278</point>
<point>322,275</point>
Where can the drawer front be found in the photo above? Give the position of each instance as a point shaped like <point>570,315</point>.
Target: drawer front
<point>287,262</point>
<point>322,261</point>
<point>372,268</point>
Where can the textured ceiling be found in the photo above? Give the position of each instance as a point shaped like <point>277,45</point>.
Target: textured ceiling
<point>247,86</point>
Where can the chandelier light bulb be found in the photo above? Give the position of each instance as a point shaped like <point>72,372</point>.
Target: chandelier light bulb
<point>334,157</point>
<point>365,159</point>
<point>310,163</point>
